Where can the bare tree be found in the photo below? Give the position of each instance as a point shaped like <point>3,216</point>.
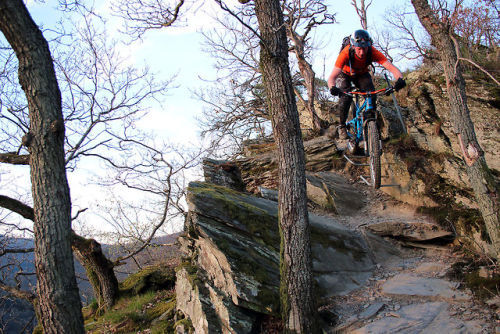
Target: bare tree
<point>59,307</point>
<point>475,29</point>
<point>486,190</point>
<point>102,99</point>
<point>139,16</point>
<point>361,10</point>
<point>407,34</point>
<point>297,299</point>
<point>237,103</point>
<point>300,19</point>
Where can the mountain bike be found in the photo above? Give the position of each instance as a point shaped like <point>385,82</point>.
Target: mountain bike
<point>363,130</point>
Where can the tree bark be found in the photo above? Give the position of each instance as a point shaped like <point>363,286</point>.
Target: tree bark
<point>15,159</point>
<point>298,307</point>
<point>59,305</point>
<point>480,177</point>
<point>99,271</point>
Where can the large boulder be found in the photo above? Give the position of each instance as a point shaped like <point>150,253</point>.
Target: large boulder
<point>260,166</point>
<point>232,259</point>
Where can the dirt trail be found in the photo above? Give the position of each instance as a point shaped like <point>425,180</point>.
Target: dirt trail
<point>409,293</point>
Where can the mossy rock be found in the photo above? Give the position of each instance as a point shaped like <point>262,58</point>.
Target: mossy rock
<point>149,279</point>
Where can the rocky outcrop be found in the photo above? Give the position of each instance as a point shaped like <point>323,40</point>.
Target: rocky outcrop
<point>260,167</point>
<point>412,231</point>
<point>230,277</point>
<point>430,122</point>
<point>225,173</point>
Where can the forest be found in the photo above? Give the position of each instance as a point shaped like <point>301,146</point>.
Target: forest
<point>72,110</point>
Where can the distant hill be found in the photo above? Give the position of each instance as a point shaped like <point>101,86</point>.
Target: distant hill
<point>15,314</point>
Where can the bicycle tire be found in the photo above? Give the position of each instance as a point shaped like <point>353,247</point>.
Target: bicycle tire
<point>375,152</point>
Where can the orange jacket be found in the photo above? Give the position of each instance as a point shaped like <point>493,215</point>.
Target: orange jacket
<point>359,65</point>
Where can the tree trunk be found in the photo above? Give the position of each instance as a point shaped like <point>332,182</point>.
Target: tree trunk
<point>89,253</point>
<point>99,271</point>
<point>308,74</point>
<point>298,307</point>
<point>482,182</point>
<point>59,303</point>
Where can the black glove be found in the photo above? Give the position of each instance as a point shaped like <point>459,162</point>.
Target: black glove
<point>335,91</point>
<point>400,84</point>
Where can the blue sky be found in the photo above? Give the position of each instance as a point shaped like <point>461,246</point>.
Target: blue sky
<point>178,51</point>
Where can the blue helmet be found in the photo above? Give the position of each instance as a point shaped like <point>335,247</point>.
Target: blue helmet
<point>361,38</point>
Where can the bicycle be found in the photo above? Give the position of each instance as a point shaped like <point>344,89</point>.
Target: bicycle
<point>363,128</point>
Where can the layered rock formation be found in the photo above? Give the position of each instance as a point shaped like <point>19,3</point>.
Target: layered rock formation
<point>230,278</point>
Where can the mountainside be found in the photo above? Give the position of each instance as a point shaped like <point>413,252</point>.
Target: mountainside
<point>392,260</point>
<point>425,203</point>
<point>15,314</point>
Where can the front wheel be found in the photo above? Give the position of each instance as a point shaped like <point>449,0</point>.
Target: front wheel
<point>375,152</point>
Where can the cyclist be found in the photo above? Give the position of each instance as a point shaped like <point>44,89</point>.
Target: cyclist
<point>352,67</point>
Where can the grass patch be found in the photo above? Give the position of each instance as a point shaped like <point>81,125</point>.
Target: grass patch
<point>129,308</point>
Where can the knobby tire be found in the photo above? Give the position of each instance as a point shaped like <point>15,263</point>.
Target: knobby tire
<point>375,152</point>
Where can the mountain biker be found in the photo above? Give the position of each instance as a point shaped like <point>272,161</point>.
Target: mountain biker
<point>352,67</point>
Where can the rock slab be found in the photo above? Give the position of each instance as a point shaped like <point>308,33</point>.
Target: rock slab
<point>431,317</point>
<point>232,253</point>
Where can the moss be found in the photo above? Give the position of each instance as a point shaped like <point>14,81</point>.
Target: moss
<point>467,271</point>
<point>483,287</point>
<point>192,271</point>
<point>186,322</point>
<point>268,298</point>
<point>38,329</point>
<point>261,226</point>
<point>465,221</point>
<point>284,302</point>
<point>149,279</point>
<point>243,261</point>
<point>161,308</point>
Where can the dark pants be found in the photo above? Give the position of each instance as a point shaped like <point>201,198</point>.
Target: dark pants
<point>344,82</point>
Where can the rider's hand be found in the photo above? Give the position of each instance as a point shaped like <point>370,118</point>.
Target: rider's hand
<point>335,91</point>
<point>400,84</point>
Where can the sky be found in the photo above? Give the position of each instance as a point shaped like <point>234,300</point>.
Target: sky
<point>178,51</point>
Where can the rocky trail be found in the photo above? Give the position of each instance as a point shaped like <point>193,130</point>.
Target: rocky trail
<point>380,267</point>
<point>409,291</point>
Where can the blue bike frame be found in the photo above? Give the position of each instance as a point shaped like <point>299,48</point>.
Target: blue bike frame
<point>358,121</point>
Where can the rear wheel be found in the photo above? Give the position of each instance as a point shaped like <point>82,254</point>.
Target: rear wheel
<point>375,152</point>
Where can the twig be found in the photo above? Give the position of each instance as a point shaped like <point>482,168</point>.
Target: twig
<point>457,50</point>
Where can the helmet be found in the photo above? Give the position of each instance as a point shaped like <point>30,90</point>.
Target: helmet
<point>361,38</point>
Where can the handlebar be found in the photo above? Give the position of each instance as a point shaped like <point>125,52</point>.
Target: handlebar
<point>385,91</point>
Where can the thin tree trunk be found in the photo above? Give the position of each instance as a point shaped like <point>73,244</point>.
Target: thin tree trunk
<point>88,252</point>
<point>480,177</point>
<point>59,305</point>
<point>298,307</point>
<point>308,74</point>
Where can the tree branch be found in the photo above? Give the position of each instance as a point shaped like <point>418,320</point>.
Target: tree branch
<point>26,295</point>
<point>16,251</point>
<point>457,50</point>
<point>17,206</point>
<point>14,158</point>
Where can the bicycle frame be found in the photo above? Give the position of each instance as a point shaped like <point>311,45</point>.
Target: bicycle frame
<point>358,123</point>
<point>365,128</point>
